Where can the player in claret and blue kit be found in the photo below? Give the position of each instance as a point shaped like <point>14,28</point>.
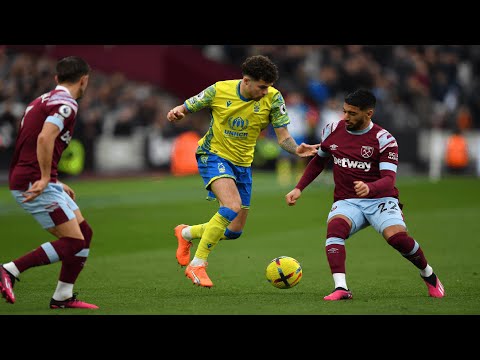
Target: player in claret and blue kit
<point>45,131</point>
<point>365,159</point>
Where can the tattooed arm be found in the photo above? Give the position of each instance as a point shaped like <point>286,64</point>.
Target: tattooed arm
<point>287,143</point>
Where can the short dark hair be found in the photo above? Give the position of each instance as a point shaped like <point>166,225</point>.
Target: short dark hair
<point>361,98</point>
<point>71,68</point>
<point>260,67</point>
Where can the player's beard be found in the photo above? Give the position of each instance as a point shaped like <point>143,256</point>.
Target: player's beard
<point>351,126</point>
<point>355,126</point>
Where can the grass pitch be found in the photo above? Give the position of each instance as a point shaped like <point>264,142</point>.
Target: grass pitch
<point>132,268</point>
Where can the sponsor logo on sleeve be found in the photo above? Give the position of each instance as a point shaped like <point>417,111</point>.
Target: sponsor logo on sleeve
<point>393,156</point>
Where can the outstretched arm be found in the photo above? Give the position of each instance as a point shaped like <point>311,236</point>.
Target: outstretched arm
<point>287,143</point>
<point>313,169</point>
<point>177,113</point>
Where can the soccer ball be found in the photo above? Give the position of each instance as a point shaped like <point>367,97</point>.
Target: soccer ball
<point>284,272</point>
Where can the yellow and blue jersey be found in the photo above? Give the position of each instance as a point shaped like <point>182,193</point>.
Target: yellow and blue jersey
<point>236,122</point>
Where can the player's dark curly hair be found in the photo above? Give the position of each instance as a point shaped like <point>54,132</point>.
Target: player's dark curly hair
<point>260,67</point>
<point>71,68</point>
<point>361,98</point>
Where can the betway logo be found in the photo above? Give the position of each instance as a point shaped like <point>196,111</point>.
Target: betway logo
<point>352,164</point>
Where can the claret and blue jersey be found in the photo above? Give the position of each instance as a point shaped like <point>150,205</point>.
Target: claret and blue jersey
<point>358,156</point>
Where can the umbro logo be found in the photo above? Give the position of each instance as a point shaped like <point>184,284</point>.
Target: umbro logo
<point>333,147</point>
<point>229,103</point>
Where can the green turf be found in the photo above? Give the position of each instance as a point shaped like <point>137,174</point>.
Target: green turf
<point>132,267</point>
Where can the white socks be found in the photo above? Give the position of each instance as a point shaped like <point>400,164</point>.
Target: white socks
<point>64,291</point>
<point>187,235</point>
<point>197,261</point>
<point>12,269</point>
<point>340,281</point>
<point>427,271</point>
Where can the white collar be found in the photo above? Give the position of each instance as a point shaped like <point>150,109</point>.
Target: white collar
<point>63,88</point>
<point>361,132</point>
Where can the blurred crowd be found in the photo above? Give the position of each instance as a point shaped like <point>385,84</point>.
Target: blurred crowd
<point>112,106</point>
<point>418,87</point>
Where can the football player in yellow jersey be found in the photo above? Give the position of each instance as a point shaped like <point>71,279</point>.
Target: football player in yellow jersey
<point>239,110</point>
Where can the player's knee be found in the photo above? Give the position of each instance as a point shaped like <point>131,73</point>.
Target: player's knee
<point>402,242</point>
<point>338,228</point>
<point>71,246</point>
<point>87,232</point>
<point>232,235</point>
<point>228,213</point>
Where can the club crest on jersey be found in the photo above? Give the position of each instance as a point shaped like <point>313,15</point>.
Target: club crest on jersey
<point>65,111</point>
<point>367,151</point>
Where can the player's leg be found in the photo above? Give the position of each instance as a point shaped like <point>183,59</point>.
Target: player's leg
<point>64,297</point>
<point>244,186</point>
<point>235,229</point>
<point>72,265</point>
<point>398,237</point>
<point>232,232</point>
<point>55,211</point>
<point>227,193</point>
<point>343,221</point>
<point>50,209</point>
<point>210,171</point>
<point>387,218</point>
<point>185,234</point>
